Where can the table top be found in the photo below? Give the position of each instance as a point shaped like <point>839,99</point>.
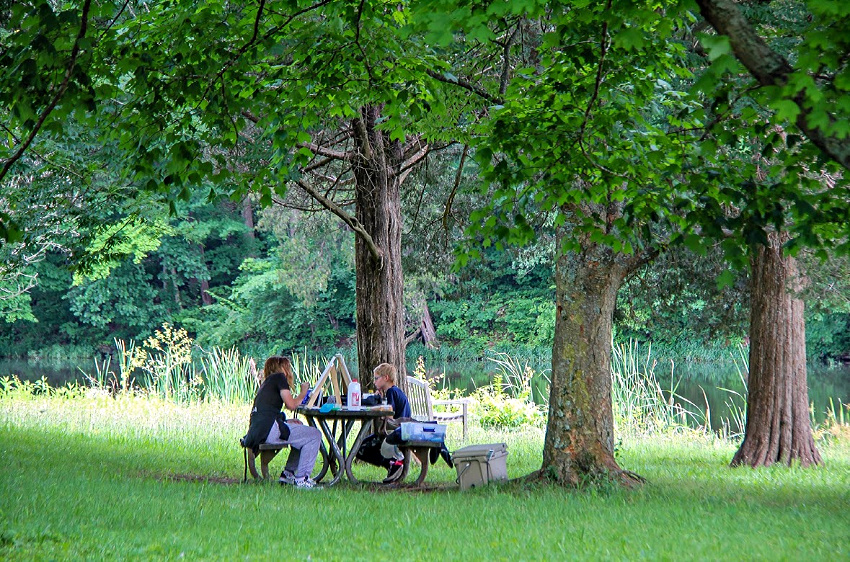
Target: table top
<point>364,412</point>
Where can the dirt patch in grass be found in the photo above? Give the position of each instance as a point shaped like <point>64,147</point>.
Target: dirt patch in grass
<point>195,478</point>
<point>409,488</point>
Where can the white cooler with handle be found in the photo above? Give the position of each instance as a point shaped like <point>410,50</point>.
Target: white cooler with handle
<point>478,465</point>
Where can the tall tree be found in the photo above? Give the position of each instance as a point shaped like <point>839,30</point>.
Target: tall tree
<point>793,200</point>
<point>579,143</point>
<point>778,428</point>
<point>580,433</point>
<point>323,92</point>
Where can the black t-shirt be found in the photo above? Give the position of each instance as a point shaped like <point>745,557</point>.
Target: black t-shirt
<point>268,397</point>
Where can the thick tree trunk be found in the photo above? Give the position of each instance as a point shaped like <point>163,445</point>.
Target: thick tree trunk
<point>380,307</point>
<point>579,441</point>
<point>778,426</point>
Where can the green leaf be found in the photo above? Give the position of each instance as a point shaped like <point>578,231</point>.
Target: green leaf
<point>716,45</point>
<point>725,279</point>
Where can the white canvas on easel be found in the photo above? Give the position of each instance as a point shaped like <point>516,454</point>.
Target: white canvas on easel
<point>335,371</point>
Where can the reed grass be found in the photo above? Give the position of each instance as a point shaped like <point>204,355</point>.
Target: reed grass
<point>641,405</point>
<point>170,366</point>
<point>735,425</point>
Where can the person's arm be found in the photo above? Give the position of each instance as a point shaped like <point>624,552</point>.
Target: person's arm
<point>293,402</point>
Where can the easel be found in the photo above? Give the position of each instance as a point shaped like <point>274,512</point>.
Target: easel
<point>339,377</point>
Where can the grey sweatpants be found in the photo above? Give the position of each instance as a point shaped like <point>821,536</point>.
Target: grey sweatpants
<point>304,442</point>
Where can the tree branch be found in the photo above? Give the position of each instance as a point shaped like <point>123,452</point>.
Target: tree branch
<point>769,69</point>
<point>241,50</point>
<point>465,85</point>
<point>448,210</point>
<point>346,218</point>
<point>75,53</point>
<point>506,66</point>
<point>326,152</point>
<point>409,163</point>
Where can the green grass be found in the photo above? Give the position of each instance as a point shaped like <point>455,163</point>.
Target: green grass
<point>139,478</point>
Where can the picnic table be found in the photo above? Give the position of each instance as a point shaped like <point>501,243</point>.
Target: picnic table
<point>339,453</point>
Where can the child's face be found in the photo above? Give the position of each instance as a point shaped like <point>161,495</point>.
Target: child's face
<point>382,382</point>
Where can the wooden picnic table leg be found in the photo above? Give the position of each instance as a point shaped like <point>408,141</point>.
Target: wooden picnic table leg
<point>251,460</point>
<point>422,455</point>
<point>406,468</point>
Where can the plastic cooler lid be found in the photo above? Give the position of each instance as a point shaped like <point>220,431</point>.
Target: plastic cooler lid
<point>481,450</point>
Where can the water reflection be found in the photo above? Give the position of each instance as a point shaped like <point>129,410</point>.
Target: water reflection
<point>57,372</point>
<point>698,383</point>
<point>695,383</point>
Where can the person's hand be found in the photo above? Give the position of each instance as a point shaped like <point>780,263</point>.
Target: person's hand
<point>304,387</point>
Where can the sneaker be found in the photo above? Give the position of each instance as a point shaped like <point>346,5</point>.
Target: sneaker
<point>286,477</point>
<point>306,484</point>
<point>394,472</point>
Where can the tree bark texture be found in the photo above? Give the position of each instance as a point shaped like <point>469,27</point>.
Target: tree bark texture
<point>579,440</point>
<point>380,281</point>
<point>778,427</point>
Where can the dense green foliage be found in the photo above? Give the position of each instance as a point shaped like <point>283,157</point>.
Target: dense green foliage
<point>284,290</point>
<point>119,138</point>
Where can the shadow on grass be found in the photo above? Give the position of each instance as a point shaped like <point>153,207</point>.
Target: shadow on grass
<point>689,479</point>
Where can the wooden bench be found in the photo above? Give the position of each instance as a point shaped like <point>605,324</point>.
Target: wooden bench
<point>421,451</point>
<point>422,405</point>
<point>267,453</point>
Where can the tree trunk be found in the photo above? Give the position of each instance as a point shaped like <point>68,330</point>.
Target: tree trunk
<point>778,426</point>
<point>248,216</point>
<point>579,443</point>
<point>426,328</point>
<point>206,298</point>
<point>380,307</point>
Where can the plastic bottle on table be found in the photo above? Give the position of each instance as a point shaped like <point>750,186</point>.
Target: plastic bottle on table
<point>354,395</point>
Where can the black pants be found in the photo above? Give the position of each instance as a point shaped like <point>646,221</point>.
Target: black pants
<point>370,452</point>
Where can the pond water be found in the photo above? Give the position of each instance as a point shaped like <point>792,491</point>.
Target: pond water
<point>695,382</point>
<point>56,372</point>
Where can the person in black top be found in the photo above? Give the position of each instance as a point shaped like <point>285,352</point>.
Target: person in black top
<point>268,424</point>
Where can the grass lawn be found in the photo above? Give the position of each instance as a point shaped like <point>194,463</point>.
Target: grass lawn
<point>134,478</point>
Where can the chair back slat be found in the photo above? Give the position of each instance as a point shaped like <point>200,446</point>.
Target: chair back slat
<point>419,396</point>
